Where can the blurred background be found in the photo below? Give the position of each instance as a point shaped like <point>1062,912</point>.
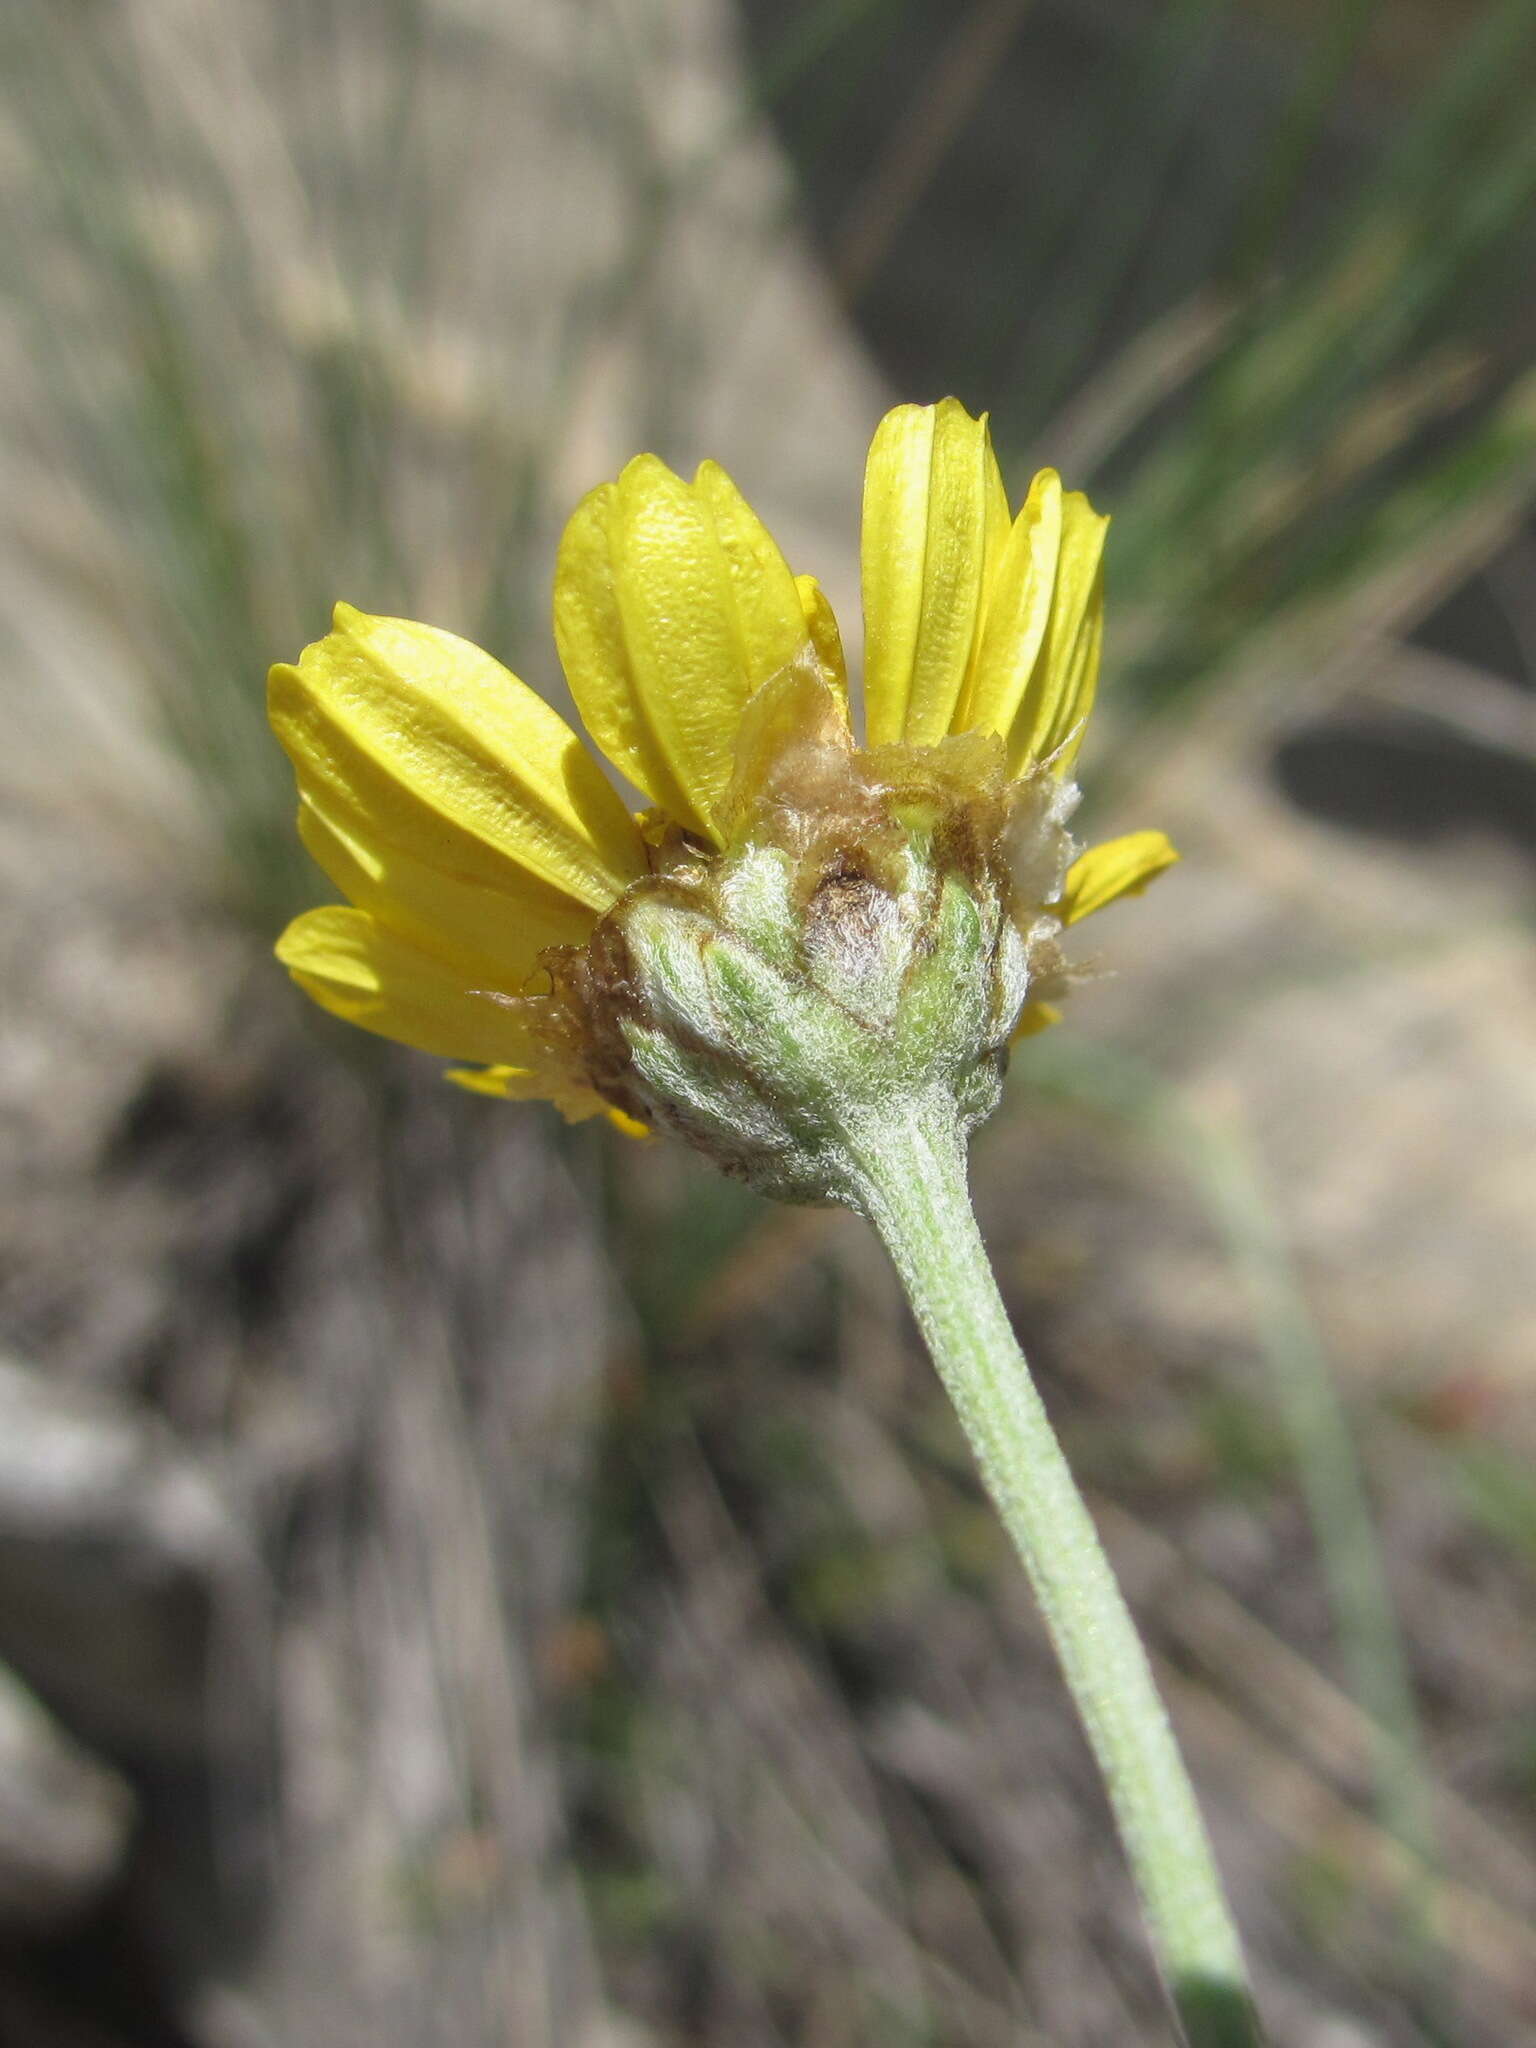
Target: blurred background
<point>469,1581</point>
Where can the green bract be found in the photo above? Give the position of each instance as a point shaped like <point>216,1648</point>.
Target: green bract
<point>770,1035</point>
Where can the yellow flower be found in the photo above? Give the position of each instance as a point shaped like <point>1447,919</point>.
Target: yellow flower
<point>471,831</point>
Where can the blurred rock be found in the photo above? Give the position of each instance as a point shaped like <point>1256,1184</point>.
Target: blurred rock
<point>119,1562</point>
<point>64,1818</point>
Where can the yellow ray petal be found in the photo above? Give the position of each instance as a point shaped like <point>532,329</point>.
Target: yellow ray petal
<point>359,969</point>
<point>770,613</point>
<point>935,523</point>
<point>506,1084</point>
<point>1048,725</point>
<point>438,750</point>
<point>493,935</point>
<point>519,1084</point>
<point>672,606</point>
<point>1008,655</point>
<point>1118,867</point>
<point>1035,1018</point>
<point>826,640</point>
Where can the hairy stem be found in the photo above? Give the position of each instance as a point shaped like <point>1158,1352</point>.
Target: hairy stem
<point>908,1176</point>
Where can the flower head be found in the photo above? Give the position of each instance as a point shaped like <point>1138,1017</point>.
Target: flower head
<point>507,911</point>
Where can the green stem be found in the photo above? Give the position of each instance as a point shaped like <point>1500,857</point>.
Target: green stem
<point>908,1177</point>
